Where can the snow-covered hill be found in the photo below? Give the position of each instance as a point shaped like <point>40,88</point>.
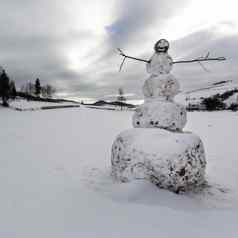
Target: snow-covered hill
<point>55,179</point>
<point>195,95</point>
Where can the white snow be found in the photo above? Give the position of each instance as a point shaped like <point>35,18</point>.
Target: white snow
<point>160,63</point>
<point>163,86</point>
<point>232,99</point>
<point>172,160</point>
<point>35,105</point>
<point>160,114</point>
<point>160,84</point>
<point>55,179</point>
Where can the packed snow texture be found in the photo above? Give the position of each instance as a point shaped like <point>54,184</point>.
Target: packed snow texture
<point>55,179</point>
<point>160,114</point>
<point>163,86</point>
<point>160,63</point>
<point>175,161</point>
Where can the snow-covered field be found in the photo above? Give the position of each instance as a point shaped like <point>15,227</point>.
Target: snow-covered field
<point>36,105</point>
<point>55,179</point>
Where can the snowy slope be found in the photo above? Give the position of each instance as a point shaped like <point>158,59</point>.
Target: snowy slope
<point>195,95</point>
<point>55,179</point>
<point>232,99</point>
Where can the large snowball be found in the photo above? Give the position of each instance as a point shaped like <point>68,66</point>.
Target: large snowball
<point>175,161</point>
<point>164,86</point>
<point>160,114</point>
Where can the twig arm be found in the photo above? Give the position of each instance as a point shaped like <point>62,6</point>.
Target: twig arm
<point>130,57</point>
<point>138,59</point>
<point>199,60</point>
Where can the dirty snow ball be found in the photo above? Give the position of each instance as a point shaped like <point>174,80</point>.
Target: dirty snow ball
<point>160,63</point>
<point>174,161</point>
<point>160,114</point>
<point>164,86</point>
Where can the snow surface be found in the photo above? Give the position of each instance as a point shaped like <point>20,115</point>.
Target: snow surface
<point>160,114</point>
<point>160,84</point>
<point>163,86</point>
<point>232,99</point>
<point>160,63</point>
<point>55,179</point>
<point>35,105</point>
<point>172,160</point>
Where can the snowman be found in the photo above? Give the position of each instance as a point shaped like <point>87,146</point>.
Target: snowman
<point>161,85</point>
<point>163,154</point>
<point>157,149</point>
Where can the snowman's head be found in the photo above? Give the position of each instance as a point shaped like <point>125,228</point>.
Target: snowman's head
<point>161,46</point>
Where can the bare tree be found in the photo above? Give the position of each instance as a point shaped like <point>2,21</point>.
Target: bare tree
<point>121,98</point>
<point>47,91</point>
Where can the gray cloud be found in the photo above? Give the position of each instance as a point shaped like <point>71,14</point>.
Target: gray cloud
<point>36,36</point>
<point>190,75</point>
<point>198,44</point>
<point>136,16</point>
<point>30,42</point>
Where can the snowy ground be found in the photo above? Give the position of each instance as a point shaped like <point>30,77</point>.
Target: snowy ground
<point>55,179</point>
<point>35,105</point>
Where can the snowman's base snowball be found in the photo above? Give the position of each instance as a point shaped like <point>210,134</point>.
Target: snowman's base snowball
<point>174,161</point>
<point>160,114</point>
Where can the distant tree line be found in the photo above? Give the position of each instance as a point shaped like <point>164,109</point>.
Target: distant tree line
<point>213,103</point>
<point>35,89</point>
<point>216,102</point>
<point>8,89</point>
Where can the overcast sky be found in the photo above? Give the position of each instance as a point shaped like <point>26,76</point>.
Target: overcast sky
<point>72,44</point>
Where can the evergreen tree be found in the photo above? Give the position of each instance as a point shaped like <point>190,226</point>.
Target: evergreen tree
<point>37,87</point>
<point>4,88</point>
<point>213,103</point>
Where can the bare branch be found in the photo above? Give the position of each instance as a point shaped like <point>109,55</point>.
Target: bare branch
<point>122,63</point>
<point>203,67</point>
<point>130,57</point>
<point>199,60</point>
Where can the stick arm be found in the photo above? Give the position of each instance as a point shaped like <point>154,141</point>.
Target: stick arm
<point>131,57</point>
<point>199,60</point>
